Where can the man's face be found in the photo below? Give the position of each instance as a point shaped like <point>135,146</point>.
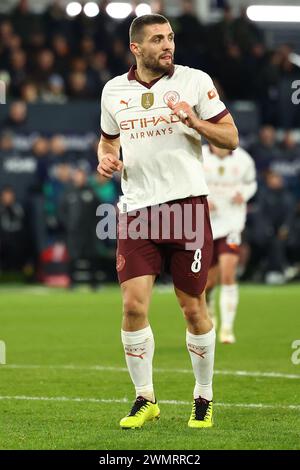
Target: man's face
<point>156,51</point>
<point>7,197</point>
<point>79,178</point>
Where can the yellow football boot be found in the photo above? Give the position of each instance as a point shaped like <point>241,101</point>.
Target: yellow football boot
<point>201,416</point>
<point>143,410</point>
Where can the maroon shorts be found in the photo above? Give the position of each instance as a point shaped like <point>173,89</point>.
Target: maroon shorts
<point>223,245</point>
<point>149,255</point>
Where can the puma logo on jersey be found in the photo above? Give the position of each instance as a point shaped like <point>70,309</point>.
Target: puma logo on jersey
<point>125,102</point>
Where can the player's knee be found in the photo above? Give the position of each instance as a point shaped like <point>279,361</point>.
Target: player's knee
<point>133,309</point>
<point>228,279</point>
<point>191,313</point>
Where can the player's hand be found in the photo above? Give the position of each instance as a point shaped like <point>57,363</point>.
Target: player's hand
<point>238,199</point>
<point>108,165</point>
<point>185,113</point>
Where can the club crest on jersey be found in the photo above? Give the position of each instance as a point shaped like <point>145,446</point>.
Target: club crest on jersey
<point>172,96</point>
<point>221,170</point>
<point>147,100</point>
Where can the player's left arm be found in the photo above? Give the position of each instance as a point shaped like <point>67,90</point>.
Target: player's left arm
<point>249,182</point>
<point>248,185</point>
<point>223,133</point>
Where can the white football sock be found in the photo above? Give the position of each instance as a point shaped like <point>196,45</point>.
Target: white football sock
<point>229,298</point>
<point>139,351</point>
<point>202,352</point>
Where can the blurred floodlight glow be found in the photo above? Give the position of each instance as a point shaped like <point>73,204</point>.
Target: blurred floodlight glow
<point>280,13</point>
<point>118,10</point>
<point>91,9</point>
<point>73,9</point>
<point>143,9</point>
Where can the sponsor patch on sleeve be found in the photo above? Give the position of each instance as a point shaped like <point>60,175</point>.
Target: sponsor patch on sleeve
<point>212,93</point>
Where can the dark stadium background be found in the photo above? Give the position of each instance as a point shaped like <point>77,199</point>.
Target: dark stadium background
<point>54,67</point>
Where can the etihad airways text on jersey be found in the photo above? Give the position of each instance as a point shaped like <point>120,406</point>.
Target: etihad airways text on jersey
<point>142,123</point>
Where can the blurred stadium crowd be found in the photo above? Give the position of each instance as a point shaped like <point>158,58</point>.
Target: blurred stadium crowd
<point>49,188</point>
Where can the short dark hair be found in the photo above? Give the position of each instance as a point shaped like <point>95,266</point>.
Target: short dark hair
<point>137,26</point>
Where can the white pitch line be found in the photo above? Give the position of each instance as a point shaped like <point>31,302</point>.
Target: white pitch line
<point>235,373</point>
<point>163,402</point>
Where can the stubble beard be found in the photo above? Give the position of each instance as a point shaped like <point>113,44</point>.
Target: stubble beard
<point>154,66</point>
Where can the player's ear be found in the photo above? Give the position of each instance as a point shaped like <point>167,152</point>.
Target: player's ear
<point>135,48</point>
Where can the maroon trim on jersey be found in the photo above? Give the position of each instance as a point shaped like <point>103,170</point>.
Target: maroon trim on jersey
<point>219,116</point>
<point>131,76</point>
<point>109,136</point>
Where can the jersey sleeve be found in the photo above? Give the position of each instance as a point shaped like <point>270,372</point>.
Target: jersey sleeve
<point>109,126</point>
<point>210,107</point>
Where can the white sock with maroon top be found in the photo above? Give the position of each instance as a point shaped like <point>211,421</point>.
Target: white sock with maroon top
<point>229,299</point>
<point>202,352</point>
<point>139,351</point>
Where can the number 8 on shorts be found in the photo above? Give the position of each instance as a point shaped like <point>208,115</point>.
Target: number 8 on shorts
<point>196,264</point>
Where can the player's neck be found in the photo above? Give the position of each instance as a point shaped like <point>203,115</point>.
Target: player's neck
<point>221,157</point>
<point>223,154</point>
<point>145,75</point>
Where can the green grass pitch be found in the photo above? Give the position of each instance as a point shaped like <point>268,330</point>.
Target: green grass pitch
<point>65,385</point>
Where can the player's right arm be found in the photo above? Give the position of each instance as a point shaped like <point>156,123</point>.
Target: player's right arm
<point>109,145</point>
<point>108,156</point>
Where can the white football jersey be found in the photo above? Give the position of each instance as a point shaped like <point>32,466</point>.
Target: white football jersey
<point>162,156</point>
<point>225,177</point>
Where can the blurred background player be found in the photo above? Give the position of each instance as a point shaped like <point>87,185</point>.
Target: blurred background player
<point>231,179</point>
